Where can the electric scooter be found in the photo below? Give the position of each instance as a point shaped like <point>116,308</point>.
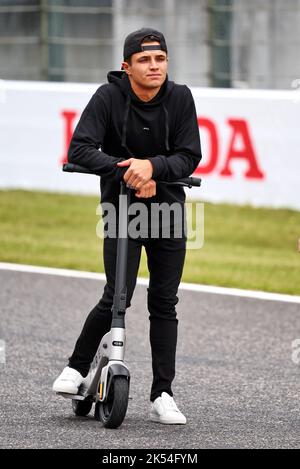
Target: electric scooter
<point>107,383</point>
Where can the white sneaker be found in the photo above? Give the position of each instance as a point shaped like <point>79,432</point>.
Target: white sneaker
<point>164,410</point>
<point>68,381</point>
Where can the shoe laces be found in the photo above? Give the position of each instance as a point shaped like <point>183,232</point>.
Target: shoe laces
<point>69,373</point>
<point>170,403</point>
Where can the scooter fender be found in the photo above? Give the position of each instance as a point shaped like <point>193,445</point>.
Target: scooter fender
<point>108,373</point>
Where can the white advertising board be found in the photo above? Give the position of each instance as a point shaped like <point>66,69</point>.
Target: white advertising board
<point>250,142</point>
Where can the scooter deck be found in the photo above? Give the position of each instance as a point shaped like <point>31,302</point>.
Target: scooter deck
<point>76,397</point>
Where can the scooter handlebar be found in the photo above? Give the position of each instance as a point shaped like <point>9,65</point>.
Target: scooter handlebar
<point>75,168</point>
<point>189,181</point>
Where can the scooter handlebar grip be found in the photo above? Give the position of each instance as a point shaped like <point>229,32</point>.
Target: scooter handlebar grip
<point>189,182</point>
<point>76,168</point>
<point>195,182</point>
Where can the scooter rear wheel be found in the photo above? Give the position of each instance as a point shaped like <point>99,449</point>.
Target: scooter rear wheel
<point>112,412</point>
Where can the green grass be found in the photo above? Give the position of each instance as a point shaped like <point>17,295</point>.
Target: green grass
<point>244,247</point>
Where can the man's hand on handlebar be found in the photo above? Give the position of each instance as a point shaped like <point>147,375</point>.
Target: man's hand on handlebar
<point>147,190</point>
<point>138,173</point>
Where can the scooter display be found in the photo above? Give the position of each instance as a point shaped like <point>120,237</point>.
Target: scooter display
<point>107,383</point>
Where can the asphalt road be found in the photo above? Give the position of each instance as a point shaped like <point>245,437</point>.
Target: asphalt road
<point>236,381</point>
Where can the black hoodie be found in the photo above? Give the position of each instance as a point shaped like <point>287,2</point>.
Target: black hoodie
<point>117,125</point>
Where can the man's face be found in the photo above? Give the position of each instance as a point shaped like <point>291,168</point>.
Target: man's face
<point>148,69</point>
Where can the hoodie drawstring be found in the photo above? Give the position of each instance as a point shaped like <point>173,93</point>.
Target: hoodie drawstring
<point>124,129</point>
<point>166,128</point>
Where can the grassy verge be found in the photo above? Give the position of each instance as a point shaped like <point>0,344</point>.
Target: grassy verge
<point>244,247</point>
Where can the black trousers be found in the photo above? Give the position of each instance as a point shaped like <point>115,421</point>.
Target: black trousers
<point>165,259</point>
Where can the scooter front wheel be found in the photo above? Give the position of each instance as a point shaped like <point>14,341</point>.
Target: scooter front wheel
<point>112,412</point>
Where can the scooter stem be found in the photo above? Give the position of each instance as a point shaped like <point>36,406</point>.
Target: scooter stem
<point>119,300</point>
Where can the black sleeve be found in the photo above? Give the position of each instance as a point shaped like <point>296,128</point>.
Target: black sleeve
<point>85,146</point>
<point>186,155</point>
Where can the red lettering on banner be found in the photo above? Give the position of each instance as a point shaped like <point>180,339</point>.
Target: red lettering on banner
<point>240,129</point>
<point>214,146</point>
<point>69,117</point>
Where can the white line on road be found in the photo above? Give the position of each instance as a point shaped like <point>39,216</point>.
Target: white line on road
<point>144,281</point>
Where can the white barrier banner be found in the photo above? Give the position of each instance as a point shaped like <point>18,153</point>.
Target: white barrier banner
<point>250,142</point>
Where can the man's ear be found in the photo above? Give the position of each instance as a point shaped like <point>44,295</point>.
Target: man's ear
<point>126,67</point>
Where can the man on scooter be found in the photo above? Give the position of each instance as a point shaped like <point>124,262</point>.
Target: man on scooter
<point>139,127</point>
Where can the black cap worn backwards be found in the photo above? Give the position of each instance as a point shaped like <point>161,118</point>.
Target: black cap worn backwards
<point>133,42</point>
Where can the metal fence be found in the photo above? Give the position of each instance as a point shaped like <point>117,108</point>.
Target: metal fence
<point>224,43</point>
